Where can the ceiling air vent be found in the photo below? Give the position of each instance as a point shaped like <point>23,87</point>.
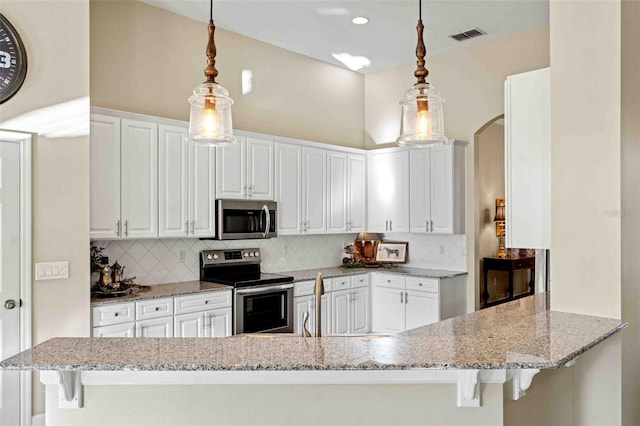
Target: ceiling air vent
<point>476,32</point>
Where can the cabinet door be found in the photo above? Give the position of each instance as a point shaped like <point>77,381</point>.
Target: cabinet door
<point>189,325</point>
<point>380,195</point>
<point>340,311</point>
<point>139,179</point>
<point>387,310</point>
<point>159,327</point>
<point>231,170</point>
<point>389,192</point>
<point>173,185</point>
<point>218,322</point>
<point>202,191</point>
<point>260,169</point>
<point>308,303</point>
<point>360,313</point>
<point>337,192</point>
<point>105,177</point>
<point>119,330</point>
<point>420,190</point>
<point>327,314</point>
<point>399,212</point>
<point>441,166</point>
<point>421,308</point>
<point>289,188</point>
<point>300,306</point>
<point>314,190</point>
<point>357,193</point>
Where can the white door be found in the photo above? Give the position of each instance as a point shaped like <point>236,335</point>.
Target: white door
<point>139,179</point>
<point>260,169</point>
<point>388,310</point>
<point>337,220</point>
<point>357,193</point>
<point>173,184</point>
<point>157,327</point>
<point>442,189</point>
<point>314,190</point>
<point>218,322</point>
<point>202,189</point>
<point>340,310</point>
<point>289,188</point>
<point>105,177</point>
<point>231,170</point>
<point>419,190</point>
<point>360,310</point>
<point>9,278</point>
<point>380,194</point>
<point>421,309</point>
<point>399,213</point>
<point>189,325</point>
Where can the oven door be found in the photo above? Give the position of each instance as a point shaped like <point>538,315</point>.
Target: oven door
<point>237,219</point>
<point>264,309</point>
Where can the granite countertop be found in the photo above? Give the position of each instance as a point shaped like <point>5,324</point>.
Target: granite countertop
<point>518,334</point>
<point>162,290</point>
<point>310,274</point>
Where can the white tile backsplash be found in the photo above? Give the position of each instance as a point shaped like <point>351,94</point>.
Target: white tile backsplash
<point>158,261</point>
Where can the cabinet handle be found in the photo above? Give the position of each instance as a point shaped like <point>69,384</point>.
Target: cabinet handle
<point>306,226</point>
<point>118,227</point>
<point>386,225</point>
<point>401,297</point>
<point>420,284</point>
<point>244,190</point>
<point>426,225</point>
<point>193,227</point>
<point>390,225</point>
<point>431,226</point>
<point>157,308</point>
<point>126,228</point>
<point>406,297</point>
<point>115,315</point>
<point>250,190</point>
<point>186,227</point>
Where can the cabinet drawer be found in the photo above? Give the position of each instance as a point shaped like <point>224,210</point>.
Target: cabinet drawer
<point>201,302</point>
<point>388,280</point>
<point>304,288</point>
<point>423,284</point>
<point>359,280</point>
<point>116,313</point>
<point>340,283</point>
<point>154,308</point>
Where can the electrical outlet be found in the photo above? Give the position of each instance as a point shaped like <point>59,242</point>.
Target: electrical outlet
<point>441,250</point>
<point>182,255</point>
<point>52,270</point>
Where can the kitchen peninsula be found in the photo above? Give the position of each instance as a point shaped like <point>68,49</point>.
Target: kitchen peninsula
<point>460,362</point>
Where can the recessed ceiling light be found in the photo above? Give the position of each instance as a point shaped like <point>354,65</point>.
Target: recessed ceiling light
<point>360,20</point>
<point>354,63</point>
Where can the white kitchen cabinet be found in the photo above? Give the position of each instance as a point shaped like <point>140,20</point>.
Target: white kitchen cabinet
<point>186,185</point>
<point>245,170</point>
<point>289,188</point>
<point>346,192</point>
<point>210,323</point>
<point>124,178</point>
<point>158,327</point>
<point>350,311</point>
<point>402,303</point>
<point>437,189</point>
<point>118,330</point>
<point>314,190</point>
<point>528,159</point>
<point>388,191</point>
<point>304,304</point>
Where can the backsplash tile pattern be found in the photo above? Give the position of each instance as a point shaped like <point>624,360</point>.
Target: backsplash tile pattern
<point>158,261</point>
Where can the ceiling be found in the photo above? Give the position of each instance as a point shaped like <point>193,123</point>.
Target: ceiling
<point>319,28</point>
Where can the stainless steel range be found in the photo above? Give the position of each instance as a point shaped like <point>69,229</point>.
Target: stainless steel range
<point>262,302</point>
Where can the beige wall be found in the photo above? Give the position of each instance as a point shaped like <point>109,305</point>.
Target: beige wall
<point>58,72</point>
<point>155,58</point>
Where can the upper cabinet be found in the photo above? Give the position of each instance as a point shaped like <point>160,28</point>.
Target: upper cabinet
<point>124,178</point>
<point>245,170</point>
<point>437,189</point>
<point>314,190</point>
<point>388,191</point>
<point>527,160</point>
<point>346,192</point>
<point>186,185</point>
<point>288,173</point>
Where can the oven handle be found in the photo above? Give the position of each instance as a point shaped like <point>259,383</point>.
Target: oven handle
<point>264,289</point>
<point>266,229</point>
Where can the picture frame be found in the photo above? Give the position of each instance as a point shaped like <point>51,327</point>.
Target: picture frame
<point>392,252</point>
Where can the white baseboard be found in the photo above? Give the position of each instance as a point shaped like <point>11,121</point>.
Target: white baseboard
<point>38,420</point>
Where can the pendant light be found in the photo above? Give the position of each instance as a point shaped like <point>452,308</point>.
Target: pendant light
<point>210,117</point>
<point>422,119</point>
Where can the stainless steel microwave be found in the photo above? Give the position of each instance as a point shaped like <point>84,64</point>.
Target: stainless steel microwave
<point>245,219</point>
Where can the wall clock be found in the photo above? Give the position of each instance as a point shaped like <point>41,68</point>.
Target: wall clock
<point>13,60</point>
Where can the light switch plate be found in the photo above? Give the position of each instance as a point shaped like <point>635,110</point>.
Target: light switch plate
<point>52,270</point>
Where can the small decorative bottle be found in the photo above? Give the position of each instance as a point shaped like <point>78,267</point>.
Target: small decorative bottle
<point>116,273</point>
<point>105,272</point>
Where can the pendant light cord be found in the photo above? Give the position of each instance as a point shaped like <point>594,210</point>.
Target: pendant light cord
<point>211,10</point>
<point>211,72</point>
<point>421,72</point>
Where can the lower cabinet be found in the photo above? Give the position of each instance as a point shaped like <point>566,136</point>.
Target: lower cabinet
<point>118,330</point>
<point>350,311</point>
<point>308,304</point>
<point>160,327</point>
<point>213,323</point>
<point>401,303</point>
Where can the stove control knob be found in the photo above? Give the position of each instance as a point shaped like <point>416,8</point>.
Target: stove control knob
<point>246,254</point>
<point>215,257</point>
<point>256,254</point>
<point>209,257</point>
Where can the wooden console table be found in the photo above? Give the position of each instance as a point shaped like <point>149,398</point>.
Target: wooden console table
<point>508,264</point>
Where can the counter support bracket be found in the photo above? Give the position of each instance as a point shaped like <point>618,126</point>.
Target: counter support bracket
<point>468,388</point>
<point>70,389</point>
<point>521,381</point>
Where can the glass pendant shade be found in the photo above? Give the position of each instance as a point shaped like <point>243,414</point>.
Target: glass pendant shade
<point>422,117</point>
<point>210,117</point>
